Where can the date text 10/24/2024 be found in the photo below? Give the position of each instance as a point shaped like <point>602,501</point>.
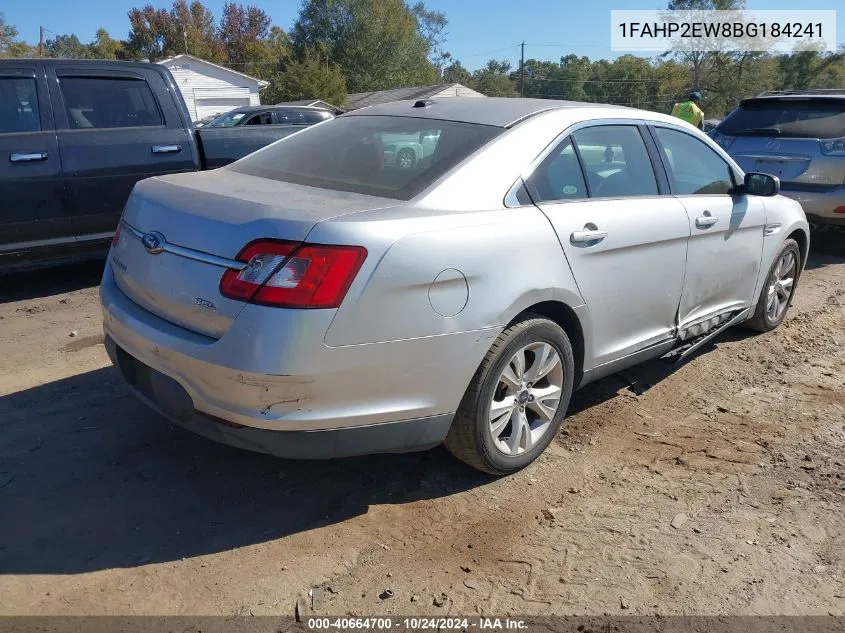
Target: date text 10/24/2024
<point>416,624</point>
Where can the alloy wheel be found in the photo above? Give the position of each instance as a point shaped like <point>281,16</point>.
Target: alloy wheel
<point>526,398</point>
<point>781,285</point>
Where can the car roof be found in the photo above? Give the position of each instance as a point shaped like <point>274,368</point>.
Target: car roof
<point>494,111</point>
<point>795,98</point>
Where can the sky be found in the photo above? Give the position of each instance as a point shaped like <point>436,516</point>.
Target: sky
<point>478,29</point>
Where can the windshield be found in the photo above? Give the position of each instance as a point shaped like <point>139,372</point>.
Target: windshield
<point>391,157</point>
<point>229,119</point>
<point>811,118</point>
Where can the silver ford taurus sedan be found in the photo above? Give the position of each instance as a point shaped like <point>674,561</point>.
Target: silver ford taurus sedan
<point>315,300</point>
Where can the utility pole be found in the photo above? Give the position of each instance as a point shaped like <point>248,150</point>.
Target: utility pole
<point>522,71</point>
<point>185,35</point>
<point>41,41</point>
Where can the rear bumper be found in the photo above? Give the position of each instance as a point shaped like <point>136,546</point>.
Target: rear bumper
<point>818,204</point>
<point>168,398</point>
<point>272,373</point>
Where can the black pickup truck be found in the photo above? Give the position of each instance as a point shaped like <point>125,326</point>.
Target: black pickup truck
<point>75,137</point>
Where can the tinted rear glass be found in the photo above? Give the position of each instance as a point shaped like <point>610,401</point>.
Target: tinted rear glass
<point>392,157</point>
<point>787,117</point>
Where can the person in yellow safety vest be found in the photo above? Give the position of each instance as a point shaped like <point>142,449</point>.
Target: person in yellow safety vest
<point>690,111</point>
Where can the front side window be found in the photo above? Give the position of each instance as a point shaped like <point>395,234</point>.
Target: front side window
<point>109,102</point>
<point>392,157</point>
<point>693,167</point>
<point>616,161</point>
<point>229,119</point>
<point>18,105</point>
<point>265,118</point>
<point>559,176</point>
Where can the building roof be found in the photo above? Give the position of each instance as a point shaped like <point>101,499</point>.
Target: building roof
<point>496,111</point>
<point>261,83</point>
<point>366,99</point>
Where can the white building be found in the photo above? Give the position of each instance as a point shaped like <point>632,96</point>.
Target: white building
<point>210,89</point>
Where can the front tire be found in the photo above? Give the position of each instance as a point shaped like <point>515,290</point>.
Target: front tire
<point>517,399</point>
<point>779,289</point>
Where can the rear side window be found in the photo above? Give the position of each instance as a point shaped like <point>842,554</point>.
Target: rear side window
<point>315,116</point>
<point>693,167</point>
<point>109,102</point>
<point>290,117</point>
<point>18,105</point>
<point>559,176</point>
<point>795,118</point>
<point>392,157</point>
<point>616,161</point>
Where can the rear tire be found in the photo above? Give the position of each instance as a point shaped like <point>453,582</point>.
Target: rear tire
<point>776,296</point>
<point>494,437</point>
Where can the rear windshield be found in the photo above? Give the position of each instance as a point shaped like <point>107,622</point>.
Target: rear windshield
<point>391,157</point>
<point>787,117</point>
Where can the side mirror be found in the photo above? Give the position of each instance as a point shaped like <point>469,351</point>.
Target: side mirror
<point>757,184</point>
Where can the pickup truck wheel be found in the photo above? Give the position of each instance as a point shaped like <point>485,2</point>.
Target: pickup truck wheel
<point>779,289</point>
<point>406,158</point>
<point>517,399</point>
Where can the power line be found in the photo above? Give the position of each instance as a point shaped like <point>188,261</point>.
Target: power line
<point>498,50</point>
<point>594,81</point>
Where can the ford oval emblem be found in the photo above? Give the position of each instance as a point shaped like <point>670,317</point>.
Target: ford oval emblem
<point>153,242</point>
<point>773,145</point>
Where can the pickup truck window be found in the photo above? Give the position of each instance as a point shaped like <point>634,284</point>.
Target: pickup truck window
<point>18,105</point>
<point>109,102</point>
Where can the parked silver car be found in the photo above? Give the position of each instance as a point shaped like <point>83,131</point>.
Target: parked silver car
<point>308,303</point>
<point>798,136</point>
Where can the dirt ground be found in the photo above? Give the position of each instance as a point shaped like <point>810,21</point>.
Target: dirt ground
<point>713,487</point>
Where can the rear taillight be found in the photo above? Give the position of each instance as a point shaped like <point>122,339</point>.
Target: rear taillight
<point>293,275</point>
<point>833,146</point>
<point>116,239</point>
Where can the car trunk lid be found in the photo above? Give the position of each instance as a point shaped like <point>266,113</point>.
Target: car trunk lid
<point>180,233</point>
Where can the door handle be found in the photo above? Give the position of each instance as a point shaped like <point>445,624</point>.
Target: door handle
<point>166,149</point>
<point>705,221</point>
<point>27,157</point>
<point>587,235</point>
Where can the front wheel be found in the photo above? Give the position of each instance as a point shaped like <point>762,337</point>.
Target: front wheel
<point>777,294</point>
<point>517,399</point>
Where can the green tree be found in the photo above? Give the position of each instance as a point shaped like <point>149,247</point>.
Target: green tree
<point>455,73</point>
<point>9,44</point>
<point>811,69</point>
<point>252,45</point>
<point>157,33</point>
<point>494,80</point>
<point>376,43</point>
<point>431,26</point>
<point>195,23</point>
<point>308,78</point>
<point>67,47</point>
<point>104,47</point>
<point>149,33</point>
